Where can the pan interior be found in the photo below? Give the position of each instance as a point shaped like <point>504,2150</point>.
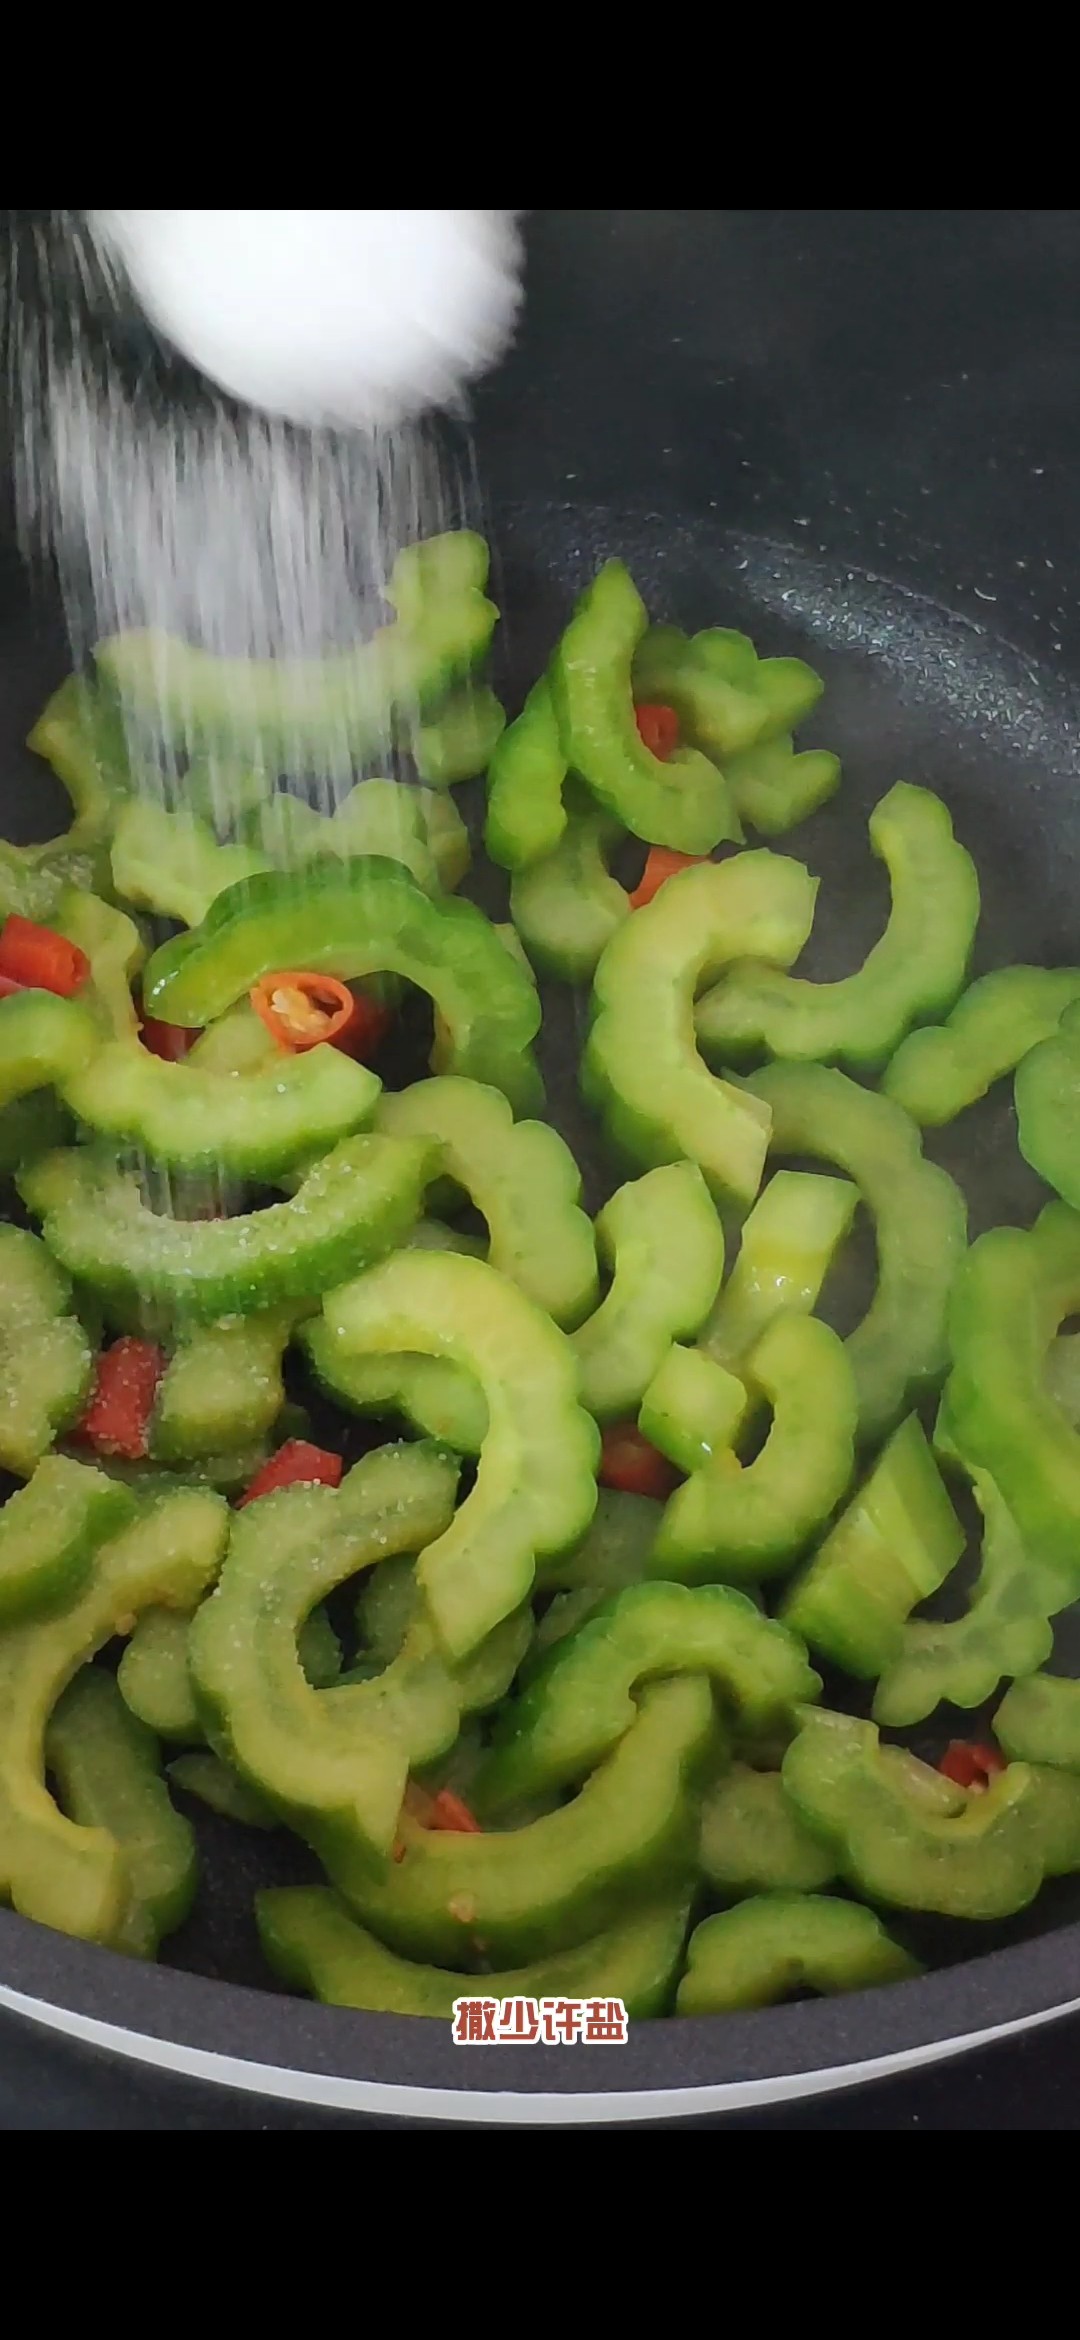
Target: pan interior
<point>913,692</point>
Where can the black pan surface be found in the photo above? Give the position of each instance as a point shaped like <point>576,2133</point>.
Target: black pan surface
<point>833,431</point>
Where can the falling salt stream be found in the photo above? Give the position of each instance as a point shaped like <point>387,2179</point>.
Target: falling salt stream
<point>238,532</point>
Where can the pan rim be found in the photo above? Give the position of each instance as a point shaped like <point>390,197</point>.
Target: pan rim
<point>266,2044</point>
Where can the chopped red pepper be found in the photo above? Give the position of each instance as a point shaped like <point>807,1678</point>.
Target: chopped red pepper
<point>627,1461</point>
<point>41,960</point>
<point>170,1041</point>
<point>971,1764</point>
<point>296,1464</point>
<point>444,1810</point>
<point>453,1815</point>
<point>117,1418</point>
<point>302,1011</point>
<point>8,985</point>
<point>662,864</point>
<point>658,729</point>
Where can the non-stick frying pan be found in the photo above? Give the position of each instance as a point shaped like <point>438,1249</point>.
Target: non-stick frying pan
<point>857,435</point>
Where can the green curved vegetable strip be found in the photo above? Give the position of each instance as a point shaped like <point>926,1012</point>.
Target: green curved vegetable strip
<point>780,1943</point>
<point>312,1944</point>
<point>914,972</point>
<point>664,1244</point>
<point>526,816</point>
<point>299,710</point>
<point>937,1072</point>
<point>900,1350</point>
<point>566,906</point>
<point>353,1206</point>
<point>640,1068</point>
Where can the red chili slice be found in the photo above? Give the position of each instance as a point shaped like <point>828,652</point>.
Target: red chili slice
<point>658,728</point>
<point>117,1418</point>
<point>296,1464</point>
<point>172,1042</point>
<point>971,1764</point>
<point>304,1010</point>
<point>629,1462</point>
<point>40,960</point>
<point>662,864</point>
<point>453,1815</point>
